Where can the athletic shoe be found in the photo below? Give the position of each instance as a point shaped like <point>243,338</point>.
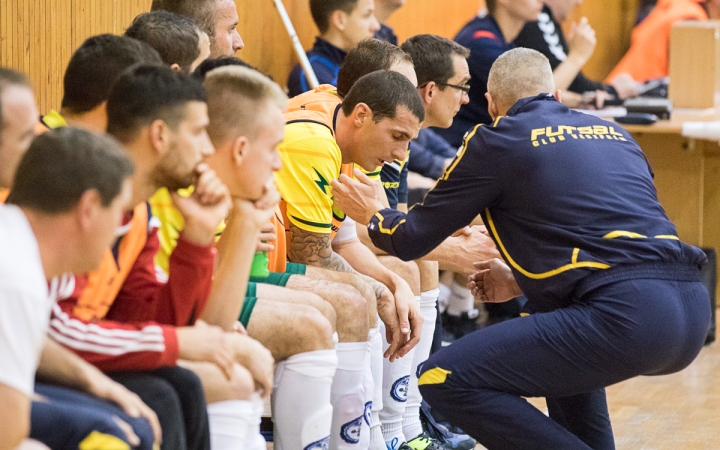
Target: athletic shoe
<point>451,437</point>
<point>424,442</point>
<point>459,326</point>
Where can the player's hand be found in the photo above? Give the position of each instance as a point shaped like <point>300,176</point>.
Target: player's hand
<point>206,208</point>
<point>359,199</point>
<point>203,342</point>
<point>493,283</point>
<point>581,41</point>
<point>239,328</point>
<point>257,359</point>
<point>257,213</point>
<point>266,237</point>
<point>467,249</point>
<point>625,86</point>
<point>103,387</point>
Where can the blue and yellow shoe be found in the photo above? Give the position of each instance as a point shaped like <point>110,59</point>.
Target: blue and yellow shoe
<point>424,442</point>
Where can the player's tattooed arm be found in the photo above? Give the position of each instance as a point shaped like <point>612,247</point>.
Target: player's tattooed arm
<point>315,249</point>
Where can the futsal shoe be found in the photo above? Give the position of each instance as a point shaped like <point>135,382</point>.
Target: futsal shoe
<point>424,442</point>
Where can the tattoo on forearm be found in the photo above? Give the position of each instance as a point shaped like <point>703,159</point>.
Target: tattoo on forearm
<point>377,286</point>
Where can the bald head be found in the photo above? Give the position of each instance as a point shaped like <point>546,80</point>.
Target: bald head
<point>516,74</point>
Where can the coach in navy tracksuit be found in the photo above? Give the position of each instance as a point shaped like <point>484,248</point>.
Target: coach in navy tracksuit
<point>570,202</point>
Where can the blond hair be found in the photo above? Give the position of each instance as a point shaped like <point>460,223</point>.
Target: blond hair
<point>519,73</point>
<point>237,99</point>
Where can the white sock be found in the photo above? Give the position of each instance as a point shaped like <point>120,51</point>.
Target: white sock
<point>368,390</point>
<point>254,439</point>
<point>348,396</point>
<point>460,301</point>
<point>229,422</point>
<point>336,339</point>
<point>411,419</point>
<point>444,297</point>
<point>376,366</point>
<point>396,376</point>
<point>301,407</point>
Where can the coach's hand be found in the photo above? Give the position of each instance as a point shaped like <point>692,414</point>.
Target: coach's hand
<point>469,247</point>
<point>359,199</point>
<point>494,282</point>
<point>206,207</point>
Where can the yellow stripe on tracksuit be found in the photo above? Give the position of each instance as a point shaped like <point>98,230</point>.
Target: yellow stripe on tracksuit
<point>574,264</point>
<point>101,441</point>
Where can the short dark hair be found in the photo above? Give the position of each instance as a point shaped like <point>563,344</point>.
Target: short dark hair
<point>95,66</point>
<point>62,164</point>
<point>9,77</point>
<point>201,11</point>
<point>321,11</point>
<point>432,56</point>
<point>211,64</point>
<point>383,92</point>
<point>175,37</point>
<point>369,56</point>
<point>144,94</point>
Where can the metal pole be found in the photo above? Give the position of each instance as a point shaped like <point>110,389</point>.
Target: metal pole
<point>304,61</point>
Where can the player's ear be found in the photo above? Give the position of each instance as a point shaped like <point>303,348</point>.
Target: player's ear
<point>239,150</point>
<point>492,106</point>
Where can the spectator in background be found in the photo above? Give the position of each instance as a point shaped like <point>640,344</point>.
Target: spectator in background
<point>182,45</point>
<point>383,10</point>
<point>218,18</point>
<point>647,57</point>
<point>547,37</point>
<point>342,24</point>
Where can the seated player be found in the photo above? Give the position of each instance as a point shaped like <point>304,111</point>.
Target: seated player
<point>342,24</point>
<point>590,277</point>
<point>217,18</point>
<point>91,72</point>
<point>50,228</point>
<point>310,219</point>
<point>160,116</point>
<point>182,45</point>
<point>346,308</point>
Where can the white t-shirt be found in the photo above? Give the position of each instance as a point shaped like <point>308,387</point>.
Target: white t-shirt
<point>24,301</point>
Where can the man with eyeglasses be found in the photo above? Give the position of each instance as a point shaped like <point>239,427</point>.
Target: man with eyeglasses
<point>487,36</point>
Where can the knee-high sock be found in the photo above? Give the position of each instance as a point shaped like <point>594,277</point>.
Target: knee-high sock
<point>255,440</point>
<point>411,419</point>
<point>369,390</point>
<point>396,376</point>
<point>377,442</point>
<point>229,422</point>
<point>348,396</point>
<point>301,399</point>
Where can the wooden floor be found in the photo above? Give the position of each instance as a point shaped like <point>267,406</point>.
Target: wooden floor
<point>674,412</point>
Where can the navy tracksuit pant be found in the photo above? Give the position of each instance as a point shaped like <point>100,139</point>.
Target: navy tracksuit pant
<point>608,334</point>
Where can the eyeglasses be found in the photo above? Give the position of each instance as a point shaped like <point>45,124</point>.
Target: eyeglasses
<point>464,88</point>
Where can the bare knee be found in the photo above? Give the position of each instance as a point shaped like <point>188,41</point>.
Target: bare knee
<point>319,303</point>
<point>352,312</point>
<point>217,387</point>
<point>407,270</point>
<point>312,331</point>
<point>429,275</point>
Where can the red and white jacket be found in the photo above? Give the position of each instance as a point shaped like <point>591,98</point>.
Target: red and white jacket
<point>123,316</point>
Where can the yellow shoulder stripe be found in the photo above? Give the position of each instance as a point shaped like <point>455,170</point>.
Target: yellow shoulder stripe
<point>462,152</point>
<point>437,375</point>
<point>386,230</point>
<point>539,276</point>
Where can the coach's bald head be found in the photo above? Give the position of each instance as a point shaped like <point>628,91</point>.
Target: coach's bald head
<point>516,74</point>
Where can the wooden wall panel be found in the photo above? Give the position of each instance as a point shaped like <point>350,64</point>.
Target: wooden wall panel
<point>38,36</point>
